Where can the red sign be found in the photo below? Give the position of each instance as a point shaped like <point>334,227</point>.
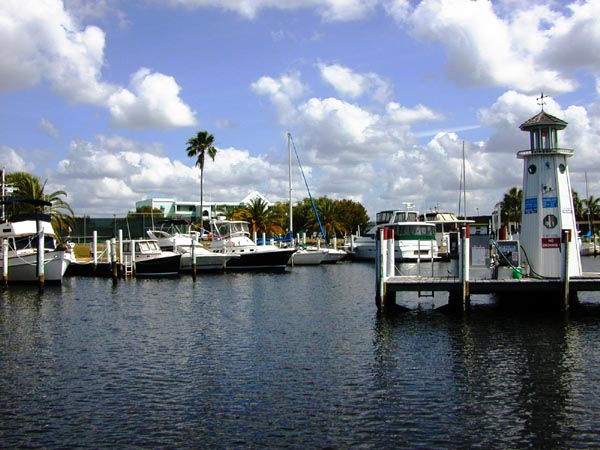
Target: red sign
<point>553,242</point>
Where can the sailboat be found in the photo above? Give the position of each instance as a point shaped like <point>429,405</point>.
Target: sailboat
<point>332,255</point>
<point>303,256</point>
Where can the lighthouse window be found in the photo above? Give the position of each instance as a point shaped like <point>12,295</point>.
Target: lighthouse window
<point>531,169</point>
<point>562,168</point>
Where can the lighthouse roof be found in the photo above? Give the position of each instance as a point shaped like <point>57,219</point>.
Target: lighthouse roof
<point>543,118</point>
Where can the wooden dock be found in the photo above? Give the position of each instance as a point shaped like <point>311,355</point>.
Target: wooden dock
<point>460,285</point>
<point>414,283</point>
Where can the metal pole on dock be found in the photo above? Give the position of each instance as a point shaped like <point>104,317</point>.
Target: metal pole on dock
<point>132,258</point>
<point>463,267</point>
<point>121,260</point>
<point>566,238</point>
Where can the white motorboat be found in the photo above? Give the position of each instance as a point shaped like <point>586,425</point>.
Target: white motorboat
<point>232,237</point>
<point>148,260</point>
<point>171,238</point>
<point>413,240</point>
<point>306,257</point>
<point>21,250</point>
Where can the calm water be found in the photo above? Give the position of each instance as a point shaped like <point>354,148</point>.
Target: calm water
<point>295,360</point>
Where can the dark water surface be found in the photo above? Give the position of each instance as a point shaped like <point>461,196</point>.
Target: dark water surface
<point>294,360</point>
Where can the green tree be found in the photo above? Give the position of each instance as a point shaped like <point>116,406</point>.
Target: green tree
<point>352,216</point>
<point>578,206</point>
<point>29,187</point>
<point>198,147</point>
<point>592,207</point>
<point>258,215</point>
<point>329,217</point>
<point>511,206</point>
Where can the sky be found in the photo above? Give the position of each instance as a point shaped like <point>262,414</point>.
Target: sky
<point>382,98</point>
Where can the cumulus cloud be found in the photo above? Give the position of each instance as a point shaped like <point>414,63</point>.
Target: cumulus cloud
<point>531,48</point>
<point>47,127</point>
<point>152,102</point>
<point>12,161</point>
<point>350,84</point>
<point>282,92</point>
<point>41,41</point>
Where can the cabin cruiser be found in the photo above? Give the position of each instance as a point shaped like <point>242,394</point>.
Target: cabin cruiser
<point>147,259</point>
<point>21,247</point>
<point>171,238</point>
<point>232,237</point>
<point>413,240</point>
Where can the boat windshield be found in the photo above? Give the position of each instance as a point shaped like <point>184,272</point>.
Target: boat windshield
<point>417,231</point>
<point>396,217</point>
<point>233,229</point>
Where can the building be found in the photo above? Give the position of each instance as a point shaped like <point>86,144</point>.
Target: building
<point>176,209</point>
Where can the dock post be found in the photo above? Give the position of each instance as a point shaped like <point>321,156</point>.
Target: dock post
<point>193,259</point>
<point>120,259</point>
<point>95,250</point>
<point>566,238</point>
<point>380,262</point>
<point>113,259</point>
<point>5,261</point>
<point>132,259</point>
<point>40,252</point>
<point>463,271</point>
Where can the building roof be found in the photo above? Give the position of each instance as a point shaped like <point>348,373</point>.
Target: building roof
<point>543,118</point>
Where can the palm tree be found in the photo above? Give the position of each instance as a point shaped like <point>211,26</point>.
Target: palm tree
<point>592,206</point>
<point>578,206</point>
<point>28,186</point>
<point>329,216</point>
<point>198,147</point>
<point>511,206</point>
<point>260,218</point>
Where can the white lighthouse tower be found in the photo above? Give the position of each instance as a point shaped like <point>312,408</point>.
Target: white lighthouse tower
<point>547,207</point>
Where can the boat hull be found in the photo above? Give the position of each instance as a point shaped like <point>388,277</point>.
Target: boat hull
<point>255,259</point>
<point>204,262</point>
<point>402,253</point>
<point>162,266</point>
<point>23,268</point>
<point>307,258</point>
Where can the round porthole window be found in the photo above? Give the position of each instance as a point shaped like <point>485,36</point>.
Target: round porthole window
<point>532,169</point>
<point>562,168</point>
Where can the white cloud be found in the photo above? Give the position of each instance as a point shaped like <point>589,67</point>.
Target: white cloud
<point>41,41</point>
<point>401,114</point>
<point>282,92</point>
<point>12,161</point>
<point>486,49</point>
<point>47,127</point>
<point>350,84</point>
<point>154,103</point>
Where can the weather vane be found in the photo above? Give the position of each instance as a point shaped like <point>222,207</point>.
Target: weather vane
<point>541,101</point>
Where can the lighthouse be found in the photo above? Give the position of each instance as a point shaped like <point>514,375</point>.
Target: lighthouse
<point>547,209</point>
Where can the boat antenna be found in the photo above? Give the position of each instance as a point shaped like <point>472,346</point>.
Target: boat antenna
<point>312,202</point>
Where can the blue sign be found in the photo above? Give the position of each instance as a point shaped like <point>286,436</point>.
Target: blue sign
<point>531,205</point>
<point>550,202</point>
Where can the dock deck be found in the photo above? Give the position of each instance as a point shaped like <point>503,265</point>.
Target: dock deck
<point>414,283</point>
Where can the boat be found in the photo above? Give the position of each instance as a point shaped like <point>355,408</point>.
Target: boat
<point>444,222</point>
<point>171,237</point>
<point>303,255</point>
<point>21,249</point>
<point>232,237</point>
<point>413,240</point>
<point>147,259</point>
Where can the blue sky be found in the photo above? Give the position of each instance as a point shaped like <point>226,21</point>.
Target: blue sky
<point>100,97</point>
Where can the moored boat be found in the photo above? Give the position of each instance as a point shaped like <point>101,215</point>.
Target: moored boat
<point>413,240</point>
<point>187,243</point>
<point>232,237</point>
<point>148,260</point>
<point>22,247</point>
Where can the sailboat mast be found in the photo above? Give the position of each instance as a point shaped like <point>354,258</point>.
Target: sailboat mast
<point>289,140</point>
